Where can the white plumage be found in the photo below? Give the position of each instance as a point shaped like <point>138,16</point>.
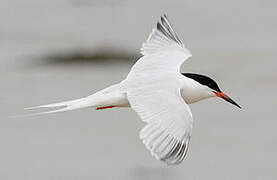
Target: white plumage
<point>156,90</point>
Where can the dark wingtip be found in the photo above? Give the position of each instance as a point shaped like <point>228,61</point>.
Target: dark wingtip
<point>163,17</point>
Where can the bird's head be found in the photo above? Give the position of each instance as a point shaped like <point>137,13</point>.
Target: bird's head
<point>210,86</point>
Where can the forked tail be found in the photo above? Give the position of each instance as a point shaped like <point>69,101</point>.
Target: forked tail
<point>106,98</point>
<point>64,106</point>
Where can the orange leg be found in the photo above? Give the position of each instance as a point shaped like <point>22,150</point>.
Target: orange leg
<point>105,107</point>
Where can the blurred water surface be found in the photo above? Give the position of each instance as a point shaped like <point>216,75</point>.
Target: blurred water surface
<point>58,50</point>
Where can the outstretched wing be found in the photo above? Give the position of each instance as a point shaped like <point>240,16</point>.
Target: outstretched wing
<point>169,119</point>
<point>163,51</point>
<point>153,90</point>
<point>161,36</point>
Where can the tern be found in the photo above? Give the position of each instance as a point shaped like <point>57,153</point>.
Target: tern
<point>158,92</point>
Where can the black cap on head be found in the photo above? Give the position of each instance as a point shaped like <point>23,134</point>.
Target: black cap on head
<point>204,80</point>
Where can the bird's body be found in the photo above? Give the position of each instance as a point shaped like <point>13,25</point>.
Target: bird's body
<point>158,92</point>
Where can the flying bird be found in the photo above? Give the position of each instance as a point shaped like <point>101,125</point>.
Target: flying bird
<point>158,92</point>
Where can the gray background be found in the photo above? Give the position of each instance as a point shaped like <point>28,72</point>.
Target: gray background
<point>57,50</point>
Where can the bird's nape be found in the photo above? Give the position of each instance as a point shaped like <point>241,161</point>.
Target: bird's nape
<point>226,98</point>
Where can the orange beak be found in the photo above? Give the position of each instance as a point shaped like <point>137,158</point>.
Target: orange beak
<point>226,98</point>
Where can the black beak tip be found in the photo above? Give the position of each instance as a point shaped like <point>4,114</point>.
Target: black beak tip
<point>227,98</point>
<point>232,102</point>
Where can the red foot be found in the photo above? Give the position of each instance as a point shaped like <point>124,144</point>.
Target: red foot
<point>105,107</point>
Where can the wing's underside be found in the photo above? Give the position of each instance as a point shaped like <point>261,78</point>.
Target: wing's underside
<point>169,122</point>
<point>153,90</point>
<point>163,145</point>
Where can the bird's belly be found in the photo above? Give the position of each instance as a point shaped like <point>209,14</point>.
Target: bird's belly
<point>117,99</point>
<point>123,101</point>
